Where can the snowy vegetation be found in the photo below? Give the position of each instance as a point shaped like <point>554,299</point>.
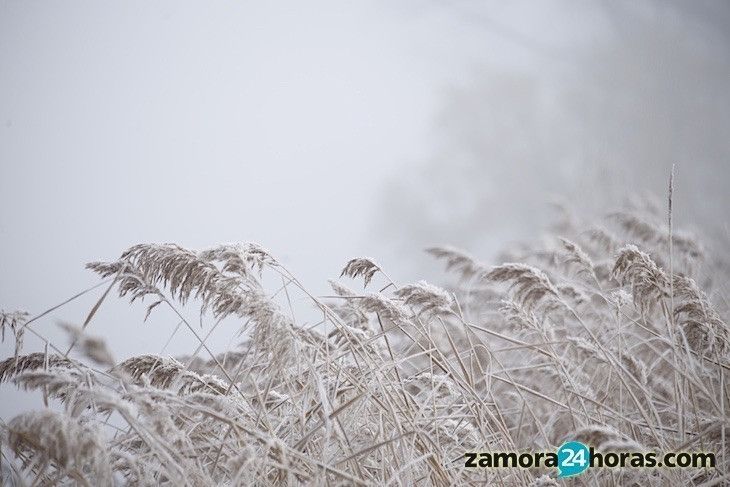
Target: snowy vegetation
<point>610,332</point>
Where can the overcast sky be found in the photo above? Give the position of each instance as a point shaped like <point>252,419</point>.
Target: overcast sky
<point>127,122</point>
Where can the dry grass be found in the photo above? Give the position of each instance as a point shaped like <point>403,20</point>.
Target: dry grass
<point>586,336</point>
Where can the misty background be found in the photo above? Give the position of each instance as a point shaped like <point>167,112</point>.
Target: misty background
<point>329,130</point>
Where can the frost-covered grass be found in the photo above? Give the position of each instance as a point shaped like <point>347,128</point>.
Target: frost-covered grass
<point>585,335</point>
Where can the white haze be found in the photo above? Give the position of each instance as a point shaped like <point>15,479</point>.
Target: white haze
<point>329,130</point>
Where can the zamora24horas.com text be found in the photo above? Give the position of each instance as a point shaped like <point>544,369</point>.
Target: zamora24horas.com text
<point>574,458</point>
